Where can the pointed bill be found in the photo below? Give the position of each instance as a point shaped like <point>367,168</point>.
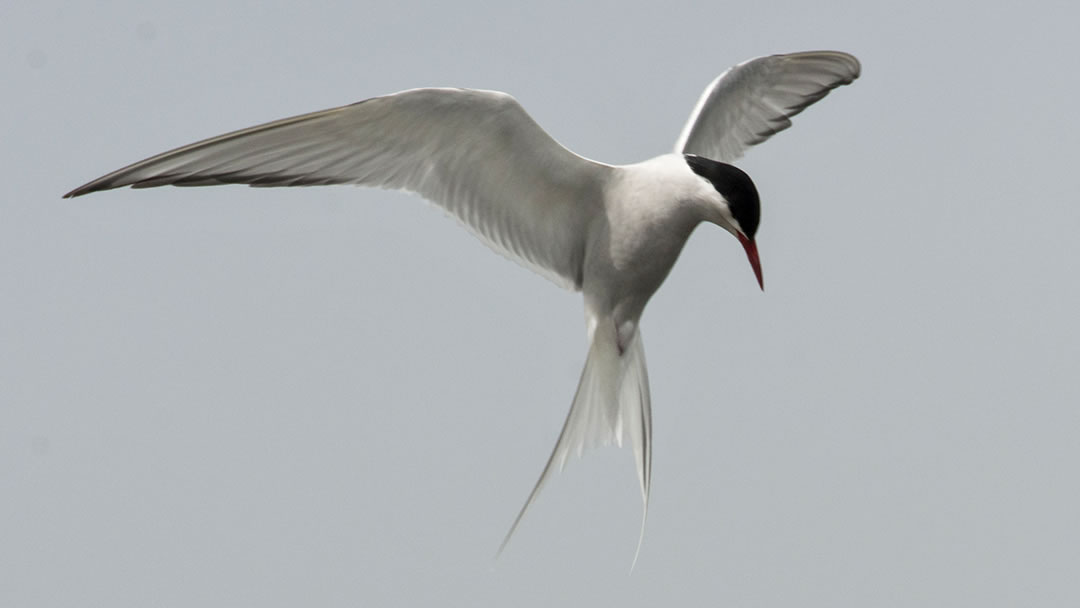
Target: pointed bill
<point>751,253</point>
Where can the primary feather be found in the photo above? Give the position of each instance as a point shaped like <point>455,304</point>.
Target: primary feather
<point>477,154</point>
<point>756,99</point>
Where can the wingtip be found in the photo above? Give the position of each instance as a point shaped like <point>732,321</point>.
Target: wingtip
<point>81,190</point>
<point>107,182</point>
<point>851,62</point>
<point>854,65</point>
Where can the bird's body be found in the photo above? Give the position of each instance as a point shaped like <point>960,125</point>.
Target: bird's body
<point>612,232</point>
<point>649,211</point>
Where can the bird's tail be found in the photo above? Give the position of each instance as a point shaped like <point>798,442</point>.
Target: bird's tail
<point>611,406</point>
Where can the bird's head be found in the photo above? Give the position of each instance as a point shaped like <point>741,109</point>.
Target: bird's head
<point>739,209</point>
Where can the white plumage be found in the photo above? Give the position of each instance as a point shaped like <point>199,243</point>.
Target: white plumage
<point>612,232</point>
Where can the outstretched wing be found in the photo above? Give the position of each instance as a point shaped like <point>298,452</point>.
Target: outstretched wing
<point>477,154</point>
<point>756,99</point>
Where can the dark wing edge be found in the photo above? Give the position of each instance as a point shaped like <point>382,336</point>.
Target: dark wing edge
<point>129,175</point>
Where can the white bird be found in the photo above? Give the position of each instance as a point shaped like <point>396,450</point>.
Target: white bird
<point>611,232</point>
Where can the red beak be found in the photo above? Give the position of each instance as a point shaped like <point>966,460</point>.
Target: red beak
<point>751,253</point>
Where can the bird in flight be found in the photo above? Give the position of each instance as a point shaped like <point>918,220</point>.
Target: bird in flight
<point>612,232</point>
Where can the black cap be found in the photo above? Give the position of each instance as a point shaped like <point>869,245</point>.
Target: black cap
<point>735,186</point>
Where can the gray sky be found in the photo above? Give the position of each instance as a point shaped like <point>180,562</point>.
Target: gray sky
<point>337,397</point>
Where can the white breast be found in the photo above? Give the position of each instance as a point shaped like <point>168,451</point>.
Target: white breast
<point>650,209</point>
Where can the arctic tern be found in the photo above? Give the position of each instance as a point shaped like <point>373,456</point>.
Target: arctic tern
<point>611,232</point>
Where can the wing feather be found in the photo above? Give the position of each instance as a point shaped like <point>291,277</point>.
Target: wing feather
<point>756,99</point>
<point>477,154</point>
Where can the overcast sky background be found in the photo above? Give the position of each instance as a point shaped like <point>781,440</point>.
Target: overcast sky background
<point>338,397</point>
